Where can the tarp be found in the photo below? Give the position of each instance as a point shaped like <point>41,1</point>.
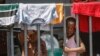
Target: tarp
<point>60,12</point>
<point>89,8</point>
<point>36,13</point>
<point>84,10</point>
<point>46,13</point>
<point>7,14</point>
<point>50,12</point>
<point>28,13</point>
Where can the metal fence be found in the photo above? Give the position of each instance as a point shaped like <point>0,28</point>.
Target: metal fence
<point>10,37</point>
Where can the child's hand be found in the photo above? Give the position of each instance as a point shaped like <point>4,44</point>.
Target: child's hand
<point>66,49</point>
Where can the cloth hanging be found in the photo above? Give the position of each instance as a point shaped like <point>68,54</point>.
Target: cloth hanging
<point>29,13</point>
<point>84,23</point>
<point>89,9</point>
<point>84,10</point>
<point>7,14</point>
<point>60,10</point>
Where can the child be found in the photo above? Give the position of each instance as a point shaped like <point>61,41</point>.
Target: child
<point>71,47</point>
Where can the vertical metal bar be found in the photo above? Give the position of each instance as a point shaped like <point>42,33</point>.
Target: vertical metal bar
<point>25,40</point>
<point>51,33</point>
<point>77,31</point>
<point>12,42</point>
<point>8,44</point>
<point>64,25</point>
<point>12,39</point>
<point>38,30</point>
<point>90,36</point>
<point>64,29</point>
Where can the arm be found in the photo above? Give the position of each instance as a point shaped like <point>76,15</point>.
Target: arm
<point>43,48</point>
<point>78,49</point>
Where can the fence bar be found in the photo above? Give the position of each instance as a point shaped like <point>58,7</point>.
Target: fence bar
<point>8,44</point>
<point>90,36</point>
<point>51,33</point>
<point>38,30</point>
<point>12,41</point>
<point>68,4</point>
<point>9,30</point>
<point>64,29</point>
<point>64,25</point>
<point>77,31</point>
<point>25,40</point>
<point>4,30</point>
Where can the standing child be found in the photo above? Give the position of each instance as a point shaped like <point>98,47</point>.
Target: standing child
<point>71,48</point>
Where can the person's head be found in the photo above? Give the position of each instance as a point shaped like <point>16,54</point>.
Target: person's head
<point>32,35</point>
<point>70,25</point>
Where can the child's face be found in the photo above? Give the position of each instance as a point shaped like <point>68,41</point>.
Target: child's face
<point>71,28</point>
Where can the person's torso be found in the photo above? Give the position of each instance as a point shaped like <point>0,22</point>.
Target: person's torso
<point>71,44</point>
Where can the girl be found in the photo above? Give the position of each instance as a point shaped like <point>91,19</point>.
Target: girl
<point>71,47</point>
